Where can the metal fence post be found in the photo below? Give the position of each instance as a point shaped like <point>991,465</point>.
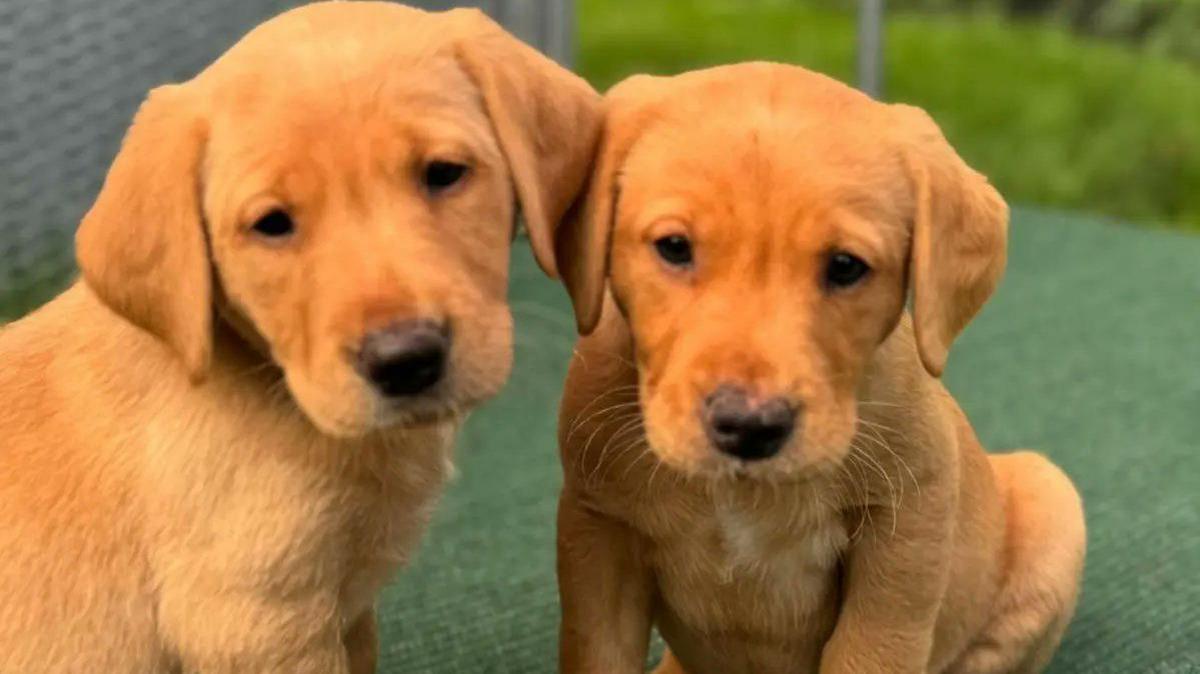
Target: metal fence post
<point>549,25</point>
<point>870,47</point>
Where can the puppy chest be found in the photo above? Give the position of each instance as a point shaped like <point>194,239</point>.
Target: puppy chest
<point>382,534</point>
<point>746,573</point>
<point>290,529</point>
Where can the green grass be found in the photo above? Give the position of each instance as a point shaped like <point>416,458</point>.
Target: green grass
<point>1052,118</point>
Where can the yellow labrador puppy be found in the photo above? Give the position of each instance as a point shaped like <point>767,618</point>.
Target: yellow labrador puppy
<point>219,444</point>
<point>760,459</point>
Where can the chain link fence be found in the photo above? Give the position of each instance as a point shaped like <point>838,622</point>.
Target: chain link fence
<point>72,73</point>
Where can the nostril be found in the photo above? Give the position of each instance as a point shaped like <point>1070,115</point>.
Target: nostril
<point>776,416</point>
<point>726,426</point>
<point>404,359</point>
<point>772,436</point>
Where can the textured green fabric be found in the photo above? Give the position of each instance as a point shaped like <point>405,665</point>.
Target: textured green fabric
<point>1090,353</point>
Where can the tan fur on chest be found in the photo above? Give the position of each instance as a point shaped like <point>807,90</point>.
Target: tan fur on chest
<point>756,563</point>
<point>298,513</point>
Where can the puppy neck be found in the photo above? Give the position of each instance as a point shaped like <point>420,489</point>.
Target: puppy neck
<point>234,331</point>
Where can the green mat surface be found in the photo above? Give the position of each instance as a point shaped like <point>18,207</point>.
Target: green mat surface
<point>1090,353</point>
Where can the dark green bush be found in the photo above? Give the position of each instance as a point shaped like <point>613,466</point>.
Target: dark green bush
<point>1170,27</point>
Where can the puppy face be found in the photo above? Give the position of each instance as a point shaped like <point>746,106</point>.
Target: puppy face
<point>761,235</point>
<point>386,215</point>
<point>344,196</point>
<point>793,273</point>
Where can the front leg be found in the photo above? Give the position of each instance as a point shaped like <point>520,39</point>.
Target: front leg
<point>362,643</point>
<point>606,589</point>
<point>893,582</point>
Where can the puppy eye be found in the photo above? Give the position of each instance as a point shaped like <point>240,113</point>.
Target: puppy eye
<point>274,225</point>
<point>844,270</point>
<point>440,175</point>
<point>675,250</point>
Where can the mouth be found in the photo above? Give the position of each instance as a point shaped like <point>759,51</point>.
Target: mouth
<point>357,412</point>
<point>770,472</point>
<point>418,415</point>
<point>743,471</point>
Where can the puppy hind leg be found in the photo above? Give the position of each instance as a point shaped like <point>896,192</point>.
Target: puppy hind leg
<point>1046,541</point>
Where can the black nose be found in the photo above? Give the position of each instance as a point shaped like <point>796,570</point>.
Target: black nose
<point>404,359</point>
<point>751,431</point>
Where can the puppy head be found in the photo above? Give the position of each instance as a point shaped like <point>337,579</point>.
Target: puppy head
<point>340,184</point>
<point>761,227</point>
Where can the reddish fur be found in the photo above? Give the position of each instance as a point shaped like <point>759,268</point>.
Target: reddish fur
<point>901,556</point>
<point>194,478</point>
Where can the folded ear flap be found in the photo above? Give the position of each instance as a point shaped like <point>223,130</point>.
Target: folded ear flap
<point>583,240</point>
<point>546,119</point>
<point>142,245</point>
<point>959,239</point>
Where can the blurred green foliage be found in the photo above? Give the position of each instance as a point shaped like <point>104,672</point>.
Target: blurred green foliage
<point>1052,117</point>
<point>1168,27</point>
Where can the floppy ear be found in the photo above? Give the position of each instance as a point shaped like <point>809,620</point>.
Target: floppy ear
<point>959,239</point>
<point>142,245</point>
<point>582,244</point>
<point>546,119</point>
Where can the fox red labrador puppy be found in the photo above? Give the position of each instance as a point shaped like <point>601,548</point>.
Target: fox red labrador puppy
<point>760,459</point>
<point>218,445</point>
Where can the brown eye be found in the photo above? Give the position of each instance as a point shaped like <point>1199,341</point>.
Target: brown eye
<point>441,175</point>
<point>274,225</point>
<point>844,270</point>
<point>675,250</point>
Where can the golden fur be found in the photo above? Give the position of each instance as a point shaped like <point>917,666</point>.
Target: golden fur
<point>881,538</point>
<point>193,477</point>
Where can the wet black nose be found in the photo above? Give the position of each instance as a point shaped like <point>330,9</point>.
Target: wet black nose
<point>404,359</point>
<point>748,430</point>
